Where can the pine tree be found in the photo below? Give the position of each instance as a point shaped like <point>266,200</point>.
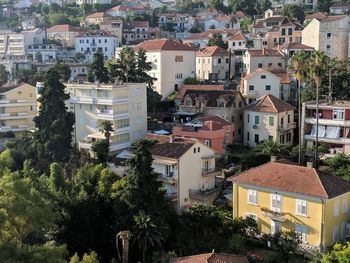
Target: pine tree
<point>97,69</point>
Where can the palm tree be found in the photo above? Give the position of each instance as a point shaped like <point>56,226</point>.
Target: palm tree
<point>270,148</point>
<point>317,69</point>
<point>106,128</point>
<point>298,65</point>
<point>147,234</point>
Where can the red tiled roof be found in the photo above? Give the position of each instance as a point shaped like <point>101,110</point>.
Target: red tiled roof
<point>207,34</point>
<point>291,177</point>
<point>255,73</point>
<point>10,86</point>
<point>269,103</point>
<point>240,14</point>
<point>238,36</point>
<point>63,28</point>
<point>222,18</point>
<point>212,51</point>
<point>119,8</point>
<point>296,45</point>
<point>95,33</point>
<point>182,91</point>
<point>211,258</point>
<point>265,52</point>
<point>96,15</point>
<point>332,18</point>
<point>165,44</point>
<point>317,15</point>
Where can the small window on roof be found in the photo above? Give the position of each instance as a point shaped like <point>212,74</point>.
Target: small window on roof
<point>263,76</point>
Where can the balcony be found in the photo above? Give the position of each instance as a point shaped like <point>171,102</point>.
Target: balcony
<point>9,103</point>
<point>340,140</point>
<point>277,216</point>
<point>204,196</point>
<point>14,128</point>
<point>252,93</point>
<point>211,171</point>
<point>330,122</point>
<point>287,126</point>
<point>171,196</point>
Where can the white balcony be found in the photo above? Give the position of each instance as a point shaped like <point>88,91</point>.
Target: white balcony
<point>14,116</point>
<point>16,103</point>
<point>252,93</point>
<point>14,128</point>
<point>121,100</point>
<point>330,122</point>
<point>340,140</point>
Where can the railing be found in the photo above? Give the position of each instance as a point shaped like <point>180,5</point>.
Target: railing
<point>13,128</point>
<point>203,195</point>
<point>171,196</point>
<point>287,126</point>
<point>210,171</point>
<point>278,216</point>
<point>168,179</point>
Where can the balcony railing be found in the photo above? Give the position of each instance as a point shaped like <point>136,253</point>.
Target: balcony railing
<point>204,195</point>
<point>171,196</point>
<point>211,171</point>
<point>287,126</point>
<point>171,179</point>
<point>277,216</point>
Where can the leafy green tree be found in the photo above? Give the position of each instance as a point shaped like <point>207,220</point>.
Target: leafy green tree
<point>340,165</point>
<point>53,137</point>
<point>4,74</point>
<point>163,257</point>
<point>270,148</point>
<point>106,128</point>
<point>216,40</point>
<point>286,243</point>
<point>295,12</point>
<point>147,234</point>
<point>6,160</point>
<point>192,81</point>
<point>87,258</point>
<point>247,7</point>
<point>97,69</point>
<point>262,5</point>
<point>324,5</point>
<point>101,150</point>
<point>125,64</point>
<point>339,254</point>
<point>142,66</point>
<point>236,244</point>
<point>153,99</point>
<point>30,76</point>
<point>56,177</point>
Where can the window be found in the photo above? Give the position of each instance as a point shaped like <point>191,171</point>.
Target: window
<point>328,48</point>
<point>99,41</point>
<point>268,87</point>
<point>178,76</point>
<point>105,40</point>
<point>179,58</point>
<point>338,114</point>
<point>199,149</point>
<point>289,137</point>
<point>219,60</point>
<point>290,31</point>
<point>271,120</point>
<point>248,135</point>
<point>248,118</point>
<point>207,143</point>
<point>335,233</point>
<point>280,65</point>
<point>256,138</point>
<point>288,118</point>
<point>302,231</point>
<point>343,233</point>
<point>240,104</point>
<point>252,197</point>
<point>283,32</point>
<point>301,207</point>
<point>221,103</point>
<point>336,207</point>
<point>344,205</point>
<point>260,65</point>
<point>252,216</point>
<point>270,64</point>
<point>329,35</point>
<point>257,119</point>
<point>276,203</point>
<point>263,76</point>
<point>194,150</point>
<point>282,138</point>
<point>227,61</point>
<point>276,226</point>
<point>251,87</point>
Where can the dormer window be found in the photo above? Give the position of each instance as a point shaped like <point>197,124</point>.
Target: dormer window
<point>188,102</point>
<point>221,104</point>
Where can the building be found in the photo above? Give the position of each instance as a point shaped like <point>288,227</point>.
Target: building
<point>91,2</point>
<point>12,45</point>
<point>65,34</point>
<point>92,41</point>
<point>211,258</point>
<point>339,8</point>
<point>330,35</point>
<point>228,104</point>
<point>115,27</point>
<point>334,126</point>
<point>269,118</point>
<point>179,22</point>
<point>187,170</point>
<point>213,63</point>
<point>17,107</point>
<point>221,22</point>
<point>135,31</point>
<point>124,11</point>
<point>95,19</point>
<point>281,195</point>
<point>172,62</point>
<point>291,48</point>
<point>201,39</point>
<point>122,104</point>
<point>264,58</point>
<point>213,131</point>
<point>42,53</point>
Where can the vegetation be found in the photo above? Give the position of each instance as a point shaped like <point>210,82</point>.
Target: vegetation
<point>191,81</point>
<point>295,12</point>
<point>97,70</point>
<point>216,40</point>
<point>4,74</point>
<point>270,148</point>
<point>339,254</point>
<point>339,165</point>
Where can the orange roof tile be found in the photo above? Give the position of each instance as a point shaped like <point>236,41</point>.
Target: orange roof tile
<point>211,258</point>
<point>265,52</point>
<point>212,51</point>
<point>269,103</point>
<point>63,28</point>
<point>182,91</point>
<point>165,44</point>
<point>96,15</point>
<point>317,15</point>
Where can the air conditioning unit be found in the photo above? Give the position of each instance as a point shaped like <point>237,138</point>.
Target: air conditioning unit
<point>255,126</point>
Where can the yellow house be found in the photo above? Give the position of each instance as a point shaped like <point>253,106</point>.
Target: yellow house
<point>281,195</point>
<point>17,107</point>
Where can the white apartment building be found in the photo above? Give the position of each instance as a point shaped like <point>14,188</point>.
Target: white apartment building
<point>269,118</point>
<point>187,170</point>
<point>329,34</point>
<point>172,62</point>
<point>122,104</point>
<point>92,41</point>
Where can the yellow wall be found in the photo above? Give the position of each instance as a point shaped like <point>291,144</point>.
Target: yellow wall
<point>312,220</point>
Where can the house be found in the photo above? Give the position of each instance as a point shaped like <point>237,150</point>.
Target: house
<point>334,126</point>
<point>278,5</point>
<point>42,53</point>
<point>211,258</point>
<point>269,118</point>
<point>12,45</point>
<point>213,131</point>
<point>124,11</point>
<point>172,62</point>
<point>228,104</point>
<point>95,19</point>
<point>91,2</point>
<point>317,15</point>
<point>115,27</point>
<point>281,195</point>
<point>179,22</point>
<point>122,104</point>
<point>291,48</point>
<point>329,34</point>
<point>92,41</point>
<point>187,170</point>
<point>213,63</point>
<point>221,22</point>
<point>135,31</point>
<point>264,58</point>
<point>17,107</point>
<point>339,8</point>
<point>65,34</point>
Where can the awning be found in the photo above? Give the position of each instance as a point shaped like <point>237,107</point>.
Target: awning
<point>162,132</point>
<point>124,155</point>
<point>164,161</point>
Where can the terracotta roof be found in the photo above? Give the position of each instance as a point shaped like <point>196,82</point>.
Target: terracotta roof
<point>212,51</point>
<point>238,36</point>
<point>208,33</point>
<point>259,24</point>
<point>265,52</point>
<point>269,103</point>
<point>332,18</point>
<point>211,258</point>
<point>317,15</point>
<point>296,45</point>
<point>140,8</point>
<point>223,18</point>
<point>165,148</point>
<point>210,123</point>
<point>63,28</point>
<point>294,178</point>
<point>165,44</point>
<point>182,91</point>
<point>96,15</point>
<point>240,14</point>
<point>10,86</point>
<point>255,73</point>
<point>119,8</point>
<point>95,33</point>
<point>134,24</point>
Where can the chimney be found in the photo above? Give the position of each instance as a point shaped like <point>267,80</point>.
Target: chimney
<point>309,164</point>
<point>16,81</point>
<point>273,158</point>
<point>171,138</point>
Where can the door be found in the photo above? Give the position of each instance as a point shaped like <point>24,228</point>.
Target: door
<point>276,226</point>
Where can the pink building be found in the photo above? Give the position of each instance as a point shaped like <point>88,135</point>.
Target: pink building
<point>213,131</point>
